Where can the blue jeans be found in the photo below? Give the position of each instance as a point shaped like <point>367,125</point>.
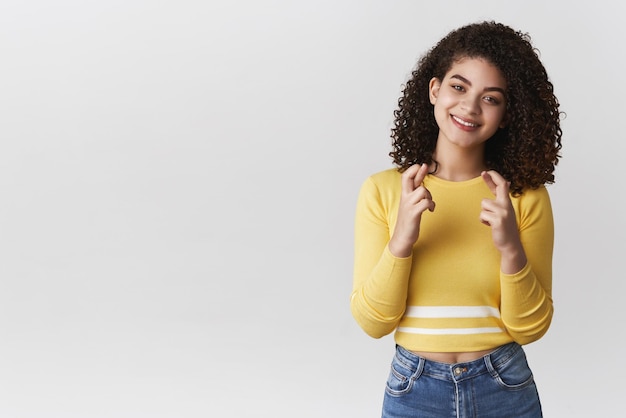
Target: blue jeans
<point>498,385</point>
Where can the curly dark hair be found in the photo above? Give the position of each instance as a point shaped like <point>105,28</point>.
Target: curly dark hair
<point>527,150</point>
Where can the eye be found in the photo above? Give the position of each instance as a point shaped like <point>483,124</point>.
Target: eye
<point>458,87</point>
<point>492,100</point>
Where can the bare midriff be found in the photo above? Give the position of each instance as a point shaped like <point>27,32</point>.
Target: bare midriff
<point>452,358</point>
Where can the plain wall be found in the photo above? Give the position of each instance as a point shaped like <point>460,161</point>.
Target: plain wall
<point>178,182</point>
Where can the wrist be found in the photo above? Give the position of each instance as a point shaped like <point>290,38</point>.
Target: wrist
<point>400,250</point>
<point>513,259</point>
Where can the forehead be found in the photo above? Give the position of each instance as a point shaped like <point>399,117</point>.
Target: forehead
<point>477,71</point>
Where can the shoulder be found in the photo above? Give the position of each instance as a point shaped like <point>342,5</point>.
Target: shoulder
<point>385,178</point>
<point>382,187</point>
<point>533,202</point>
<point>539,194</point>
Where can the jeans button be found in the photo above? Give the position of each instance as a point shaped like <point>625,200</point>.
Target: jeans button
<point>459,370</point>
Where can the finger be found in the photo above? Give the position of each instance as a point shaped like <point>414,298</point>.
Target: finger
<point>420,175</point>
<point>489,181</point>
<point>502,186</point>
<point>487,217</point>
<point>425,204</point>
<point>497,184</point>
<point>408,179</point>
<point>496,177</point>
<point>425,198</point>
<point>431,205</point>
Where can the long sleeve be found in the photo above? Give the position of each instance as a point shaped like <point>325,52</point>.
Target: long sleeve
<point>380,282</point>
<point>526,305</point>
<point>450,294</point>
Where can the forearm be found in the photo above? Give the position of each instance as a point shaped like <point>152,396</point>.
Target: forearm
<point>526,307</point>
<point>526,293</point>
<point>378,301</point>
<point>513,259</point>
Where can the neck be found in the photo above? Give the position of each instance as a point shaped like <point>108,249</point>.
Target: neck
<point>459,166</point>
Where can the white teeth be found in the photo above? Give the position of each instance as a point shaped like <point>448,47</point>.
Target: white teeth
<point>462,122</point>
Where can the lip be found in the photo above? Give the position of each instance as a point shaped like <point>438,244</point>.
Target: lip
<point>464,124</point>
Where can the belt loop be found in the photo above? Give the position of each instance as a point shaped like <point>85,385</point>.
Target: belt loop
<point>489,365</point>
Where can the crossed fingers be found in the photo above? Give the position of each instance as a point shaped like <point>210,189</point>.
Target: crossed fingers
<point>414,191</point>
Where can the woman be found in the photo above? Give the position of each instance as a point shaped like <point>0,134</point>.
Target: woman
<point>453,247</point>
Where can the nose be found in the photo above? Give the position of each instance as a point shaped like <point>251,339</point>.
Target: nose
<point>471,105</point>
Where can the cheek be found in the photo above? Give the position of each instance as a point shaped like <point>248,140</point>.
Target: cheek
<point>497,116</point>
<point>440,112</point>
<point>502,119</point>
<point>443,104</point>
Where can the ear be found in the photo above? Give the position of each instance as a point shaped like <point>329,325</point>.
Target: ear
<point>433,89</point>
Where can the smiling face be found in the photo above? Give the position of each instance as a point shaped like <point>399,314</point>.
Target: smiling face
<point>469,103</point>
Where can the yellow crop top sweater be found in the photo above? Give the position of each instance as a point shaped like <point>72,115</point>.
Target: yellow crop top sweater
<point>450,295</point>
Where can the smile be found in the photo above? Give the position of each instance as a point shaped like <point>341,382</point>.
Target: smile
<point>464,123</point>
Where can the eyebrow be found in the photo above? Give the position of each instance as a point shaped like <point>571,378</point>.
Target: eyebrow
<point>465,80</point>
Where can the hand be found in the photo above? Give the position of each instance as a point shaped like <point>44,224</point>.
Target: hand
<point>498,214</point>
<point>414,200</point>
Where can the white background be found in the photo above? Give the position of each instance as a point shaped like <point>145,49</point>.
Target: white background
<point>178,183</point>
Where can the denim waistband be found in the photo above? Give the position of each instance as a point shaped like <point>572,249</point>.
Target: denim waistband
<point>457,371</point>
